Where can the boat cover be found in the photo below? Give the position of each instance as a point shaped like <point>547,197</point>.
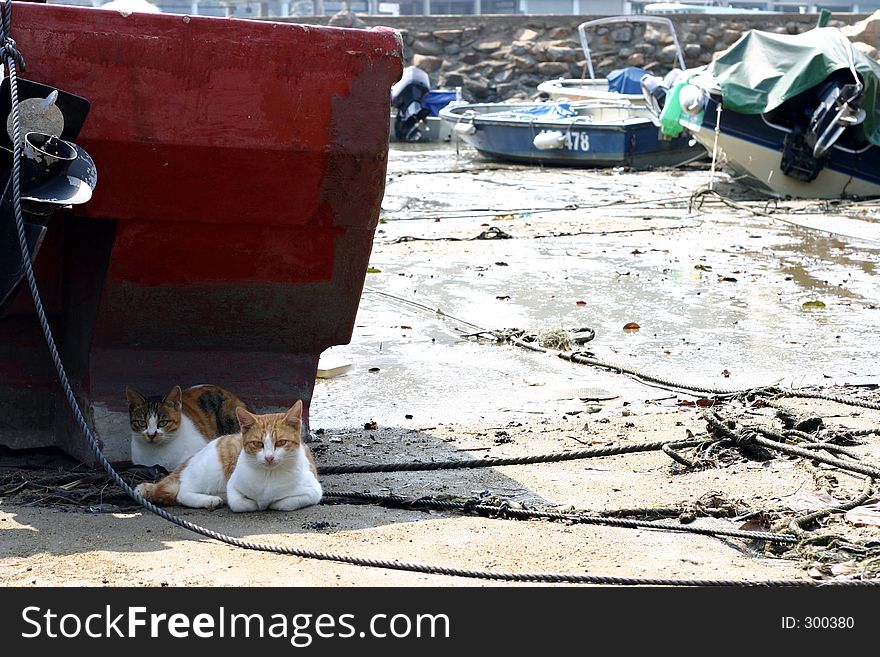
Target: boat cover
<point>436,100</point>
<point>626,80</point>
<point>762,70</point>
<point>546,111</point>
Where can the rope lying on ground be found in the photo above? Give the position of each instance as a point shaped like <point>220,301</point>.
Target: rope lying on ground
<point>840,399</point>
<point>797,525</point>
<point>746,436</point>
<point>750,436</point>
<point>520,338</point>
<point>585,358</point>
<point>573,455</point>
<point>507,511</point>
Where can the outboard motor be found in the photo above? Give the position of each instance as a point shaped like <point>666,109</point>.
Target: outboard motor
<point>838,110</point>
<point>407,96</point>
<point>54,171</point>
<point>655,89</point>
<point>805,149</point>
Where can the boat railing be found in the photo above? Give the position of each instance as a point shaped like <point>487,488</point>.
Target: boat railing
<point>659,20</point>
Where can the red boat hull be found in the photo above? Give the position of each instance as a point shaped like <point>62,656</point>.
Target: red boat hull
<point>241,167</point>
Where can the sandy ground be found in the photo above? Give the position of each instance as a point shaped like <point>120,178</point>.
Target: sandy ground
<point>46,545</point>
<point>436,397</point>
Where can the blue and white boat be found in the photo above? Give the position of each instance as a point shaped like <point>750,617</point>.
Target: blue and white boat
<point>584,134</point>
<point>789,115</point>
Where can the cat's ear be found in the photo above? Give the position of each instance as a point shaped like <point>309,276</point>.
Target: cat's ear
<point>134,397</point>
<point>294,413</point>
<point>174,397</point>
<point>245,419</point>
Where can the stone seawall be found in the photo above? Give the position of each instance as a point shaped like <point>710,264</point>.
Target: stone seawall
<point>505,57</point>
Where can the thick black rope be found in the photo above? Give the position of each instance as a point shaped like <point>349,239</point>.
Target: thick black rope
<point>506,511</point>
<point>573,455</point>
<point>750,436</point>
<point>797,525</point>
<point>840,399</point>
<point>588,359</point>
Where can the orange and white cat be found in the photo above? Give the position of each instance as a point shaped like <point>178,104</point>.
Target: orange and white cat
<point>265,466</point>
<point>168,430</point>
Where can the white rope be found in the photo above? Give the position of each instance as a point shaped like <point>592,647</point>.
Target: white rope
<point>715,146</point>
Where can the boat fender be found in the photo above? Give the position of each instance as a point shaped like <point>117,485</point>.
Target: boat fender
<point>464,129</point>
<point>692,99</point>
<point>549,140</point>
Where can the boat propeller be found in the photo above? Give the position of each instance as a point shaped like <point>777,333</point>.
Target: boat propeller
<point>54,172</point>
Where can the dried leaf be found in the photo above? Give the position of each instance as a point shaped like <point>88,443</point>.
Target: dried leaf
<point>812,305</point>
<point>867,514</point>
<point>373,270</point>
<point>846,568</point>
<point>632,327</point>
<point>702,268</point>
<point>503,298</point>
<point>637,252</point>
<point>809,501</point>
<point>580,303</point>
<point>756,524</point>
<point>727,279</point>
<point>725,374</point>
<point>705,403</point>
<point>369,426</point>
<point>406,328</point>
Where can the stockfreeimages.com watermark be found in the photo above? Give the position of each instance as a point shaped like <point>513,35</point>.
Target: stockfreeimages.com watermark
<point>300,629</point>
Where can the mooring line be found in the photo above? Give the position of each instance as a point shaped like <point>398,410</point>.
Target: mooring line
<point>556,457</point>
<point>507,511</point>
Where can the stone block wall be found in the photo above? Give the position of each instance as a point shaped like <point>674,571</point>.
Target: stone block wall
<point>505,57</point>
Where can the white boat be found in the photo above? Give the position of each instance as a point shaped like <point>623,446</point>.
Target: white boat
<point>790,115</point>
<point>584,134</point>
<point>615,87</point>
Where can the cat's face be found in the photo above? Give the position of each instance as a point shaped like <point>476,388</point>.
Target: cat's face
<point>154,419</point>
<point>271,440</point>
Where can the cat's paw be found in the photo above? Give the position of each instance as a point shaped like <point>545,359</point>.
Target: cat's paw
<point>243,505</point>
<point>295,502</point>
<point>143,489</point>
<point>199,500</point>
<point>212,502</point>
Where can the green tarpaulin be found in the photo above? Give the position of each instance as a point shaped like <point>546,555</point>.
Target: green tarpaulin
<point>762,70</point>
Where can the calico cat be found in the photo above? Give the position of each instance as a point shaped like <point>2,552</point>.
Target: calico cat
<point>168,430</point>
<point>265,466</point>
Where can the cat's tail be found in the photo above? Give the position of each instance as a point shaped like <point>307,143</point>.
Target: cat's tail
<point>162,492</point>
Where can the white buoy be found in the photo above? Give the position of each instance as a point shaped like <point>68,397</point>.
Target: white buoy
<point>549,140</point>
